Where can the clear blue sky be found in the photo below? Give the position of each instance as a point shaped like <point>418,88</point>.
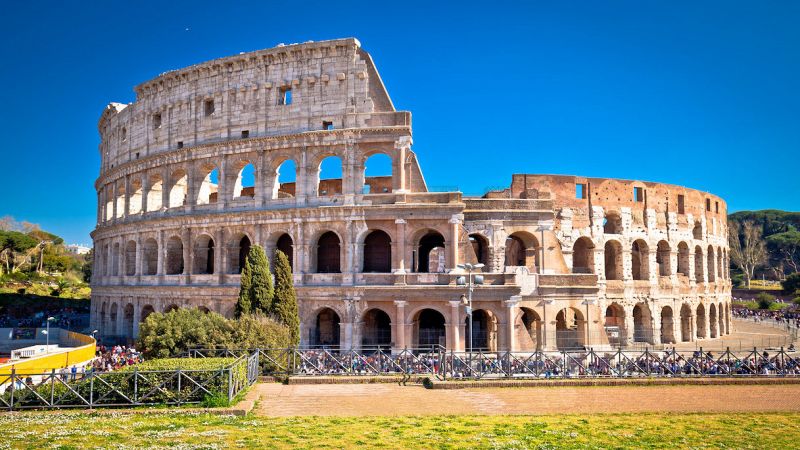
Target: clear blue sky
<point>702,94</point>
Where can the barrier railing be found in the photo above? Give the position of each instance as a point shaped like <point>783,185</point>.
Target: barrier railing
<point>590,363</point>
<point>55,390</point>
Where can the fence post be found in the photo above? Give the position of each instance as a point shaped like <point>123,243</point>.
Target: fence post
<point>508,364</point>
<point>179,386</point>
<point>230,384</point>
<point>52,386</point>
<point>564,364</point>
<point>13,388</point>
<point>135,385</point>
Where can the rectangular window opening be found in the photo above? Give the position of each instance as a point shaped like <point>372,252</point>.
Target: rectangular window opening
<point>716,207</point>
<point>708,204</point>
<point>580,191</point>
<point>180,144</point>
<point>157,121</point>
<point>285,96</point>
<point>208,107</point>
<point>137,155</point>
<point>638,194</point>
<point>681,204</point>
<point>327,125</point>
<point>245,134</point>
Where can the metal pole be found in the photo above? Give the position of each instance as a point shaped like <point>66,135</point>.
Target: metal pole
<point>48,335</point>
<point>469,300</point>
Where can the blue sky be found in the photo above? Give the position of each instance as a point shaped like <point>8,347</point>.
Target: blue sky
<point>702,94</point>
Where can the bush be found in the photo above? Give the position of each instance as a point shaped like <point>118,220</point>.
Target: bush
<point>796,301</point>
<point>792,283</point>
<point>765,300</point>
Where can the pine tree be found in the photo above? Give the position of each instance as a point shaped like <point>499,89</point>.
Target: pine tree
<point>261,290</point>
<point>244,304</point>
<point>285,304</point>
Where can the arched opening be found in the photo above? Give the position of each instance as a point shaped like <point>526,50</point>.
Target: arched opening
<point>154,194</point>
<point>712,320</point>
<point>480,247</point>
<point>430,328</point>
<point>128,319</point>
<point>146,311</point>
<point>522,249</point>
<point>109,203</point>
<point>120,200</point>
<point>701,321</point>
<point>615,325</point>
<point>326,329</point>
<point>640,267</point>
<point>642,323</point>
<point>684,259</point>
<point>484,331</point>
<point>245,185</point>
<point>103,319</point>
<point>209,187</point>
<point>583,256</point>
<point>698,264</point>
<point>529,330</point>
<point>710,261</point>
<point>115,259</point>
<point>177,189</point>
<point>612,223</point>
<point>328,253</point>
<point>377,174</point>
<point>430,259</point>
<point>686,323</point>
<point>135,202</point>
<point>204,255</point>
<point>285,180</point>
<point>170,308</point>
<point>667,326</point>
<point>569,329</point>
<point>330,177</point>
<point>613,258</point>
<point>285,244</point>
<point>697,231</point>
<point>203,309</point>
<point>377,331</point>
<point>113,320</point>
<point>174,256</point>
<point>239,251</point>
<point>130,258</point>
<point>663,259</point>
<point>377,252</point>
<point>150,257</point>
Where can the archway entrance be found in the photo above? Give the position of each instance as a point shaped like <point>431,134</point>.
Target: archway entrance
<point>128,316</point>
<point>701,321</point>
<point>377,329</point>
<point>430,260</point>
<point>285,245</point>
<point>377,252</point>
<point>667,326</point>
<point>642,323</point>
<point>484,330</point>
<point>615,325</point>
<point>686,323</point>
<point>326,329</point>
<point>529,331</point>
<point>712,320</point>
<point>328,248</point>
<point>569,329</point>
<point>430,328</point>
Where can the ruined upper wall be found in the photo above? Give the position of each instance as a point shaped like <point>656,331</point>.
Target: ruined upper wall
<point>332,83</point>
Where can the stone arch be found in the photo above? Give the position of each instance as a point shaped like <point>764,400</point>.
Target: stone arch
<point>127,318</point>
<point>710,262</point>
<point>377,180</point>
<point>155,195</point>
<point>328,253</point>
<point>640,260</point>
<point>377,252</point>
<point>686,323</point>
<point>326,331</point>
<point>697,231</point>
<point>712,320</point>
<point>522,249</point>
<point>204,254</point>
<point>701,321</point>
<point>376,329</point>
<point>112,316</point>
<point>613,258</point>
<point>209,186</point>
<point>329,176</point>
<point>136,199</point>
<point>203,309</point>
<point>698,264</point>
<point>583,255</point>
<point>238,248</point>
<point>642,323</point>
<point>429,328</point>
<point>130,258</point>
<point>171,307</point>
<point>430,259</point>
<point>484,330</point>
<point>684,258</point>
<point>614,325</point>
<point>480,247</point>
<point>663,255</point>
<point>667,326</point>
<point>178,188</point>
<point>570,329</point>
<point>245,184</point>
<point>146,311</point>
<point>115,259</point>
<point>285,174</point>
<point>150,257</point>
<point>285,244</point>
<point>103,319</point>
<point>174,263</point>
<point>612,223</point>
<point>528,327</point>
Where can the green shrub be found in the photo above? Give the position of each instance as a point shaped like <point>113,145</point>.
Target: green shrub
<point>765,300</point>
<point>792,283</point>
<point>796,301</point>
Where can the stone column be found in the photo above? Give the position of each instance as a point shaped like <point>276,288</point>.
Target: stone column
<point>656,317</point>
<point>162,249</point>
<point>301,178</point>
<point>186,237</point>
<point>114,202</point>
<point>629,325</point>
<point>454,338</point>
<point>399,326</point>
<point>191,187</point>
<point>137,318</point>
<point>219,255</point>
<point>512,306</point>
<point>627,264</point>
<point>166,182</point>
<point>222,186</point>
<point>259,186</point>
<point>139,259</point>
<point>127,206</point>
<point>455,223</point>
<point>400,253</point>
<point>400,166</point>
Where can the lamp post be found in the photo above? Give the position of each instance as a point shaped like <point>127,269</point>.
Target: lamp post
<point>47,333</point>
<point>469,281</point>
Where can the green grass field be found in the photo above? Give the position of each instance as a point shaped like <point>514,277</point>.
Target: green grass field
<point>200,430</point>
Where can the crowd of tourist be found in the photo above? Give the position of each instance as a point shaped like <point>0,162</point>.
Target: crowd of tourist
<point>781,317</point>
<point>115,358</point>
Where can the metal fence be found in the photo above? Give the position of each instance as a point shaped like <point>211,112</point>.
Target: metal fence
<point>56,390</point>
<point>445,364</point>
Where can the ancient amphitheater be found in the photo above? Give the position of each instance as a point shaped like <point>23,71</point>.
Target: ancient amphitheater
<point>219,156</point>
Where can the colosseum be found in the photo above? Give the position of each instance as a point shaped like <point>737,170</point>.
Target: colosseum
<point>222,155</point>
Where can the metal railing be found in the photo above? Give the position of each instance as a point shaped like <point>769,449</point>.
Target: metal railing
<point>444,364</point>
<point>57,390</point>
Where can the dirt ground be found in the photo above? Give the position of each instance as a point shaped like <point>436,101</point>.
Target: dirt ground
<point>394,400</point>
<point>745,336</point>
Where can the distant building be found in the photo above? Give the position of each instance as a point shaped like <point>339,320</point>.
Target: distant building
<point>77,249</point>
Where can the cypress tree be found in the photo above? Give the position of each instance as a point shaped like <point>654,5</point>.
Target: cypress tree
<point>285,305</point>
<point>244,304</point>
<point>261,290</point>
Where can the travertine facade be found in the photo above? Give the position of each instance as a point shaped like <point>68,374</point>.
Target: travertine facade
<point>375,258</point>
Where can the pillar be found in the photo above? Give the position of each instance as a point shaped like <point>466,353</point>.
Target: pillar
<point>399,325</point>
<point>400,249</point>
<point>137,318</point>
<point>455,223</point>
<point>454,335</point>
<point>512,305</point>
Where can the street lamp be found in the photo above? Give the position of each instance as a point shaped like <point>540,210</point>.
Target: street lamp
<point>93,333</point>
<point>468,281</point>
<point>47,332</point>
